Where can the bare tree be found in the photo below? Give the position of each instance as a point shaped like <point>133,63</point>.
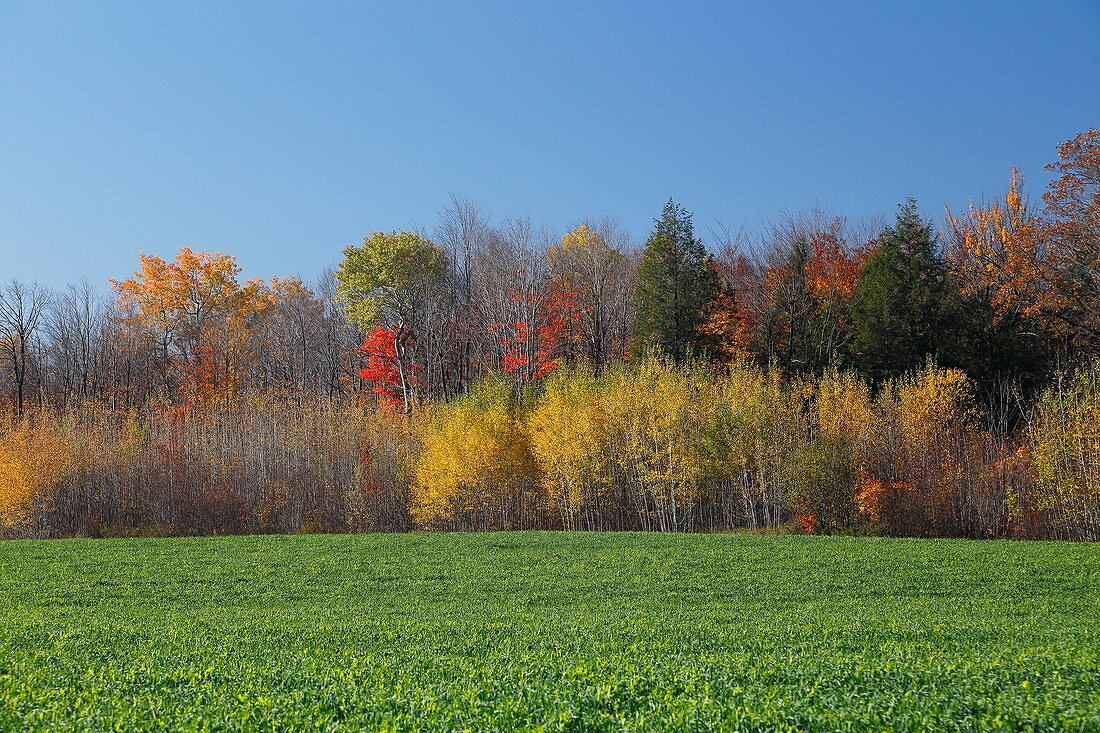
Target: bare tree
<point>338,340</point>
<point>76,324</point>
<point>603,272</point>
<point>21,309</point>
<point>463,231</point>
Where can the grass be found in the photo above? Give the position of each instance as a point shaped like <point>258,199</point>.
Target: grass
<point>549,630</point>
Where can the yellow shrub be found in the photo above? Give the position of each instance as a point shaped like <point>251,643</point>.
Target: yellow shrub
<point>1065,446</point>
<point>35,456</point>
<point>475,460</point>
<point>755,428</point>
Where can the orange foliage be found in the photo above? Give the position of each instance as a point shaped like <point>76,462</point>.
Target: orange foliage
<point>35,456</point>
<point>1073,197</point>
<point>880,500</point>
<point>999,250</point>
<point>184,294</point>
<point>807,522</point>
<point>832,268</point>
<point>201,317</point>
<point>728,326</point>
<point>1073,207</point>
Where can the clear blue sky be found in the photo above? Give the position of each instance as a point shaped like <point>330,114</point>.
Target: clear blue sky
<point>280,132</point>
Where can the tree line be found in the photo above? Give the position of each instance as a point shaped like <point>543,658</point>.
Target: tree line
<point>915,378</point>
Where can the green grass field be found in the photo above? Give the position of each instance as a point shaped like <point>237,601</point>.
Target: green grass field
<point>549,630</point>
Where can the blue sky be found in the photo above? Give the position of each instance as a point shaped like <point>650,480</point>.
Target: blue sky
<point>281,132</point>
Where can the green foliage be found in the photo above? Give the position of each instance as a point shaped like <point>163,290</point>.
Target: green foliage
<point>385,278</point>
<point>820,481</point>
<point>677,282</point>
<point>997,351</point>
<point>1065,445</point>
<point>899,308</point>
<point>550,631</point>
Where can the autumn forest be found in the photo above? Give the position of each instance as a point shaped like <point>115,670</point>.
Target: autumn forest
<point>916,377</point>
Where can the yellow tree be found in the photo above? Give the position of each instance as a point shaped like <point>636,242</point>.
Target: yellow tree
<point>35,456</point>
<point>476,467</point>
<point>1064,438</point>
<point>184,303</point>
<point>755,428</point>
<point>568,434</point>
<point>822,474</point>
<point>914,460</point>
<point>656,419</point>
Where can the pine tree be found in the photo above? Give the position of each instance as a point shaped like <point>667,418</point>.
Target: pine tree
<point>900,305</point>
<point>677,284</point>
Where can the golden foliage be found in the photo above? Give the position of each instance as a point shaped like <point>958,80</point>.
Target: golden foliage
<point>476,459</point>
<point>998,250</point>
<point>568,433</point>
<point>915,456</point>
<point>655,421</point>
<point>184,293</point>
<point>35,456</point>
<point>843,406</point>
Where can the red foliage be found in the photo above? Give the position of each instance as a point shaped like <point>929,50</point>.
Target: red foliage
<point>384,365</point>
<point>534,352</point>
<point>200,376</point>
<point>807,522</point>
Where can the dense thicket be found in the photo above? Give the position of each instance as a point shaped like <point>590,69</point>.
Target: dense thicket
<point>909,379</point>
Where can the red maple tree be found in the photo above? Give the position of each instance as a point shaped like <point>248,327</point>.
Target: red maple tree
<point>388,367</point>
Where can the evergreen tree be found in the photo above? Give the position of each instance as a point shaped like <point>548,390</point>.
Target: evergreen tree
<point>677,283</point>
<point>900,305</point>
<point>1005,354</point>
